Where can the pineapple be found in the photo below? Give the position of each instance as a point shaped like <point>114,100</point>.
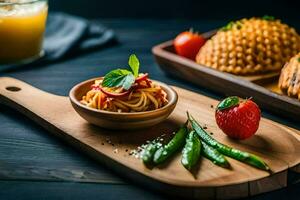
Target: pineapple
<point>250,46</point>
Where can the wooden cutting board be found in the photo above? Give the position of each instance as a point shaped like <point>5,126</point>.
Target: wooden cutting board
<point>279,146</point>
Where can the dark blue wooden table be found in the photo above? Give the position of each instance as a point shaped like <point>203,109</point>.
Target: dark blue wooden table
<point>34,165</point>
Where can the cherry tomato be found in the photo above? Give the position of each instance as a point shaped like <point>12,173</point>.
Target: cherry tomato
<point>187,44</point>
<point>141,77</point>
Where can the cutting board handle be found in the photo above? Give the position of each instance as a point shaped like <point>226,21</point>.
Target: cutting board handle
<point>13,91</point>
<point>10,84</point>
<point>25,98</point>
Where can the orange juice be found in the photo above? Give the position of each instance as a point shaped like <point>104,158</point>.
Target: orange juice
<point>22,28</point>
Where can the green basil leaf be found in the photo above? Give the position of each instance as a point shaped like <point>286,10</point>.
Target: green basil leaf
<point>134,64</point>
<point>119,78</point>
<point>228,103</point>
<point>128,81</point>
<point>299,59</point>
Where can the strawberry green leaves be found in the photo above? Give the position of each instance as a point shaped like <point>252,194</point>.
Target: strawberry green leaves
<point>134,64</point>
<point>228,103</point>
<point>123,77</point>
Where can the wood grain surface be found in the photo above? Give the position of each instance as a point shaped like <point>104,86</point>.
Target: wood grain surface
<point>273,142</point>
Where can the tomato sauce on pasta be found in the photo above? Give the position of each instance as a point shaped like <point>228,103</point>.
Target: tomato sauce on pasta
<point>144,95</point>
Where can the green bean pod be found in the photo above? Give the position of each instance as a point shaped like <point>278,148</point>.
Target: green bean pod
<point>191,151</point>
<point>177,142</point>
<point>149,151</point>
<point>242,156</point>
<point>213,155</point>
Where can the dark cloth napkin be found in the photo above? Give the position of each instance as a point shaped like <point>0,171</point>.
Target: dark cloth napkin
<point>68,35</point>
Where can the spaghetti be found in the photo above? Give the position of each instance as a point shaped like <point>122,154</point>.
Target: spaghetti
<point>144,95</point>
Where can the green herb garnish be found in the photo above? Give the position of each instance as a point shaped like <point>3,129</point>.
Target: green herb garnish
<point>268,17</point>
<point>299,59</point>
<point>119,78</point>
<point>122,77</point>
<point>134,64</point>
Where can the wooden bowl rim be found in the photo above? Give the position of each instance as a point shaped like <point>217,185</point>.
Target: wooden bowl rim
<point>173,98</point>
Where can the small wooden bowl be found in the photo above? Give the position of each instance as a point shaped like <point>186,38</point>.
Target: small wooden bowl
<point>121,121</point>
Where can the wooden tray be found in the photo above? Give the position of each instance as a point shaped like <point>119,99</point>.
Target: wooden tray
<point>263,88</point>
<point>278,145</point>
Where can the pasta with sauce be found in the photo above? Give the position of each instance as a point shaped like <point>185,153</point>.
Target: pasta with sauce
<point>144,95</point>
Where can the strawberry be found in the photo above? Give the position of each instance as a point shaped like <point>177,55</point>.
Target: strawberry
<point>239,119</point>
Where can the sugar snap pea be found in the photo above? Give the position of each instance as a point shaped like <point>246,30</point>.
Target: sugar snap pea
<point>242,156</point>
<point>149,151</point>
<point>177,142</point>
<point>191,151</point>
<point>215,156</point>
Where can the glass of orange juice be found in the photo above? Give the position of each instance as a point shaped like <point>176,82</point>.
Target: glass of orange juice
<point>22,27</point>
